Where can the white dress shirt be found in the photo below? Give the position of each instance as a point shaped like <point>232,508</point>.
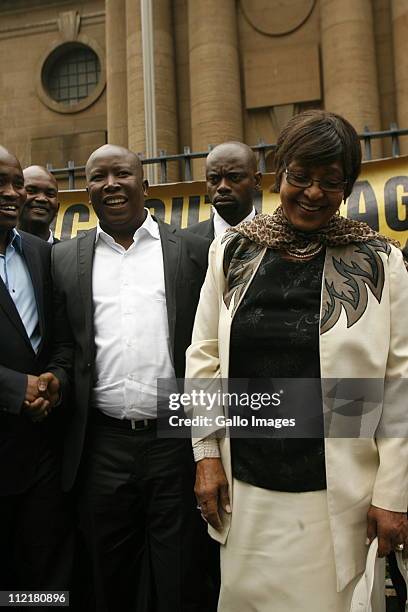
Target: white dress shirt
<point>220,224</point>
<point>130,323</point>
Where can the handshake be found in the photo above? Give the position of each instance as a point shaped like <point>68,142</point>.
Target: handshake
<point>42,394</point>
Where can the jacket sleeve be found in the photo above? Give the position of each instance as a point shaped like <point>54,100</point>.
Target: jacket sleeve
<point>202,357</point>
<point>13,387</point>
<point>62,348</point>
<point>391,484</point>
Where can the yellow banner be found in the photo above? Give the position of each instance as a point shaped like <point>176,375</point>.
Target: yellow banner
<point>380,198</point>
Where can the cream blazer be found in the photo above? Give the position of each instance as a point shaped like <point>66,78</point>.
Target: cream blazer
<point>363,334</point>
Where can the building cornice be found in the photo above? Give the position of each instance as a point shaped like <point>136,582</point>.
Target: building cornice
<point>50,25</point>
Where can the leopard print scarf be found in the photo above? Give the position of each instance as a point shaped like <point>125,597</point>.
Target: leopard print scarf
<point>275,231</point>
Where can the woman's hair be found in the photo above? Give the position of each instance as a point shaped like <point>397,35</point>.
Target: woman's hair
<point>318,137</point>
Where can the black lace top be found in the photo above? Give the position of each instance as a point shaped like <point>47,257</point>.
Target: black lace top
<point>275,333</point>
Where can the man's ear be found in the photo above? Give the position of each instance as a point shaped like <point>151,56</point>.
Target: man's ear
<point>145,186</point>
<point>258,180</point>
<point>56,211</point>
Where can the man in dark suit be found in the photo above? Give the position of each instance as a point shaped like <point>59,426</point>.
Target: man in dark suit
<point>232,180</point>
<point>41,205</point>
<point>129,289</point>
<point>34,523</point>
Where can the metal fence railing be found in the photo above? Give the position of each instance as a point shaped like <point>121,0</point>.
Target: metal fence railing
<point>72,172</point>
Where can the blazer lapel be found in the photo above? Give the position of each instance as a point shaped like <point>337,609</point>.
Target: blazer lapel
<point>8,306</point>
<point>211,233</point>
<point>170,243</point>
<point>86,250</point>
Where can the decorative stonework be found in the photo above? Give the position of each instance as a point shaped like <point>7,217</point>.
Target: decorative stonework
<point>277,17</point>
<point>69,23</point>
<point>50,25</point>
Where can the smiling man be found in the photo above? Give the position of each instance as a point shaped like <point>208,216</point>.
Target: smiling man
<point>41,205</point>
<point>232,180</point>
<point>130,289</point>
<point>35,550</point>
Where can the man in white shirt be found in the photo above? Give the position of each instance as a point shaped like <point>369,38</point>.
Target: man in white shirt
<point>129,289</point>
<point>232,181</point>
<point>41,205</point>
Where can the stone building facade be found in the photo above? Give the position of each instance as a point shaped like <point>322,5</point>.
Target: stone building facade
<point>165,74</point>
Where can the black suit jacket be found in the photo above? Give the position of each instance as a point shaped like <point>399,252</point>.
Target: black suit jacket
<point>204,228</point>
<point>21,441</point>
<point>185,264</point>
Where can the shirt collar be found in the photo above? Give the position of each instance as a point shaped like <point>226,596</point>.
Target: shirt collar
<point>149,226</point>
<point>15,240</point>
<point>220,225</point>
<point>50,238</point>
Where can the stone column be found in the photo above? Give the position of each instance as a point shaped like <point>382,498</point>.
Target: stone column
<point>349,63</point>
<point>400,32</point>
<point>180,18</point>
<point>216,108</point>
<point>116,75</point>
<point>385,63</point>
<point>135,91</point>
<point>165,82</point>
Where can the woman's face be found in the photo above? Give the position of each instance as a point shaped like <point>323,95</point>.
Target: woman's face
<point>310,208</point>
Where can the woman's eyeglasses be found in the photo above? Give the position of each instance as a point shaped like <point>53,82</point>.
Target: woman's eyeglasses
<point>325,184</point>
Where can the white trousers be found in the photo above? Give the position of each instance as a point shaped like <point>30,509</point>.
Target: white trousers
<point>279,556</point>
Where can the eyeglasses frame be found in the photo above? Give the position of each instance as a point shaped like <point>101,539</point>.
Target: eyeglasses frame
<point>312,181</point>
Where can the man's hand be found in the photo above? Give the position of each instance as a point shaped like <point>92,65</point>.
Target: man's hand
<point>391,528</point>
<point>32,391</point>
<point>49,386</point>
<point>41,396</point>
<point>211,490</point>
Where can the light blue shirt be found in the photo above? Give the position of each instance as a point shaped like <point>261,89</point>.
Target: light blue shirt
<point>16,277</point>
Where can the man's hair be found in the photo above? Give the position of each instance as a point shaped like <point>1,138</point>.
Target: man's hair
<point>318,137</point>
<point>4,153</point>
<point>241,146</point>
<point>119,150</point>
<point>43,170</point>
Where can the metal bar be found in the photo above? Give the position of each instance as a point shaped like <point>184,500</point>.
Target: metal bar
<point>163,166</point>
<point>395,148</point>
<point>261,148</point>
<point>367,144</point>
<point>188,175</point>
<point>262,157</point>
<point>383,134</point>
<point>71,175</point>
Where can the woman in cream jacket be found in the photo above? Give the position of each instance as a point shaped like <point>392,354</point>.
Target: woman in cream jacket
<point>290,549</point>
